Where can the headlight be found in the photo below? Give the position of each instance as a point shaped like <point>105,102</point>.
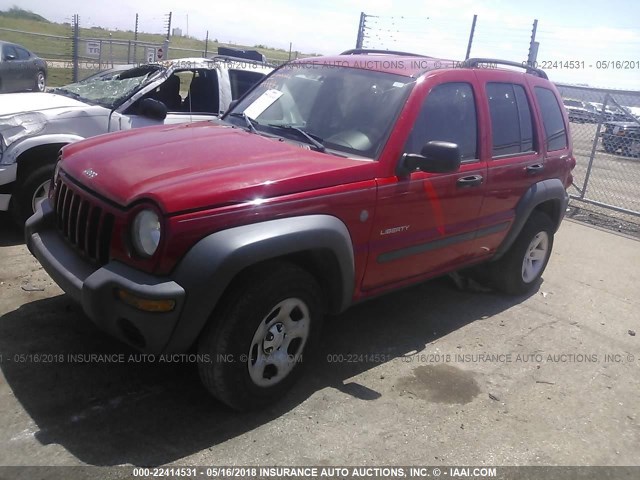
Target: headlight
<point>145,233</point>
<point>14,127</point>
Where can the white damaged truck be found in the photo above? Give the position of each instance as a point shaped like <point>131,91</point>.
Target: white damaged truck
<point>34,126</point>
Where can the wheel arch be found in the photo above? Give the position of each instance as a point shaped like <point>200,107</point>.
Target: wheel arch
<point>34,152</point>
<point>36,157</point>
<point>320,244</point>
<point>549,197</point>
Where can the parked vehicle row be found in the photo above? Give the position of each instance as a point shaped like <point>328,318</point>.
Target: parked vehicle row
<point>20,69</point>
<point>592,112</point>
<point>622,137</point>
<point>334,180</point>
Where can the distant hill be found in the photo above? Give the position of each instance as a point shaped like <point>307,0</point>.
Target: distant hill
<point>52,41</point>
<point>17,12</point>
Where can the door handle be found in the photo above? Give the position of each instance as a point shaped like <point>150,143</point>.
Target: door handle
<point>535,168</point>
<point>470,181</point>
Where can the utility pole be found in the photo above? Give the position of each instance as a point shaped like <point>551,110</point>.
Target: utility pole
<point>74,46</point>
<point>361,26</point>
<point>135,41</point>
<point>166,42</point>
<point>473,29</point>
<point>206,44</point>
<point>533,46</point>
<point>168,25</point>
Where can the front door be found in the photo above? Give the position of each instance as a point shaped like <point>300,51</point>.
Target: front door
<point>189,95</point>
<point>426,223</point>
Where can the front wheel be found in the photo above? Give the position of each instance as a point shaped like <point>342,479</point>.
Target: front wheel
<point>519,270</point>
<point>257,342</point>
<point>33,190</point>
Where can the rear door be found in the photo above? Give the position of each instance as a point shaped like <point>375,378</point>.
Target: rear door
<point>27,69</point>
<point>516,157</point>
<point>10,69</point>
<point>426,223</point>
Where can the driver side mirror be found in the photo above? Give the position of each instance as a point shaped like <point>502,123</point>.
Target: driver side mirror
<point>9,56</point>
<point>153,109</point>
<point>435,157</point>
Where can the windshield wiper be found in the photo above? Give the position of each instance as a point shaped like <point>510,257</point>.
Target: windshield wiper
<point>65,92</point>
<point>247,120</point>
<point>310,138</point>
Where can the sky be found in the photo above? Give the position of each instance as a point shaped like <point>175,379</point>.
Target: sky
<point>589,32</point>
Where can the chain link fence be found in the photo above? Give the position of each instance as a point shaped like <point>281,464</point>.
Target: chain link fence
<point>605,126</point>
<point>94,54</point>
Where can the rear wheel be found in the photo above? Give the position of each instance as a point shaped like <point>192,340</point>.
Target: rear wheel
<point>252,350</point>
<point>519,270</point>
<point>40,81</point>
<point>33,190</point>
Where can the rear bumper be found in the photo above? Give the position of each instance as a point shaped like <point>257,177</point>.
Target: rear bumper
<point>95,288</point>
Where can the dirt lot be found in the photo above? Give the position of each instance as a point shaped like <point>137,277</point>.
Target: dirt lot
<point>430,376</point>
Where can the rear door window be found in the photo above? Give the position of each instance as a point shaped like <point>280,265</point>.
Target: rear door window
<point>241,81</point>
<point>555,131</point>
<point>22,54</point>
<point>511,123</point>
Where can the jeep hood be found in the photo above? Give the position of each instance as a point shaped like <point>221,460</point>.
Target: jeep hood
<point>12,103</point>
<point>199,165</point>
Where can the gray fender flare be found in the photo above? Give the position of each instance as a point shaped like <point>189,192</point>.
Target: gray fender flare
<point>212,264</point>
<point>538,193</point>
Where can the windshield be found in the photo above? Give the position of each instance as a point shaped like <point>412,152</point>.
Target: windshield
<point>345,109</point>
<point>110,91</point>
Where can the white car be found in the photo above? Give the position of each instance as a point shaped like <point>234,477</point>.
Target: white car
<point>34,126</point>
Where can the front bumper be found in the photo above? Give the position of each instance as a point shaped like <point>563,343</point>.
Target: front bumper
<point>8,175</point>
<point>95,288</point>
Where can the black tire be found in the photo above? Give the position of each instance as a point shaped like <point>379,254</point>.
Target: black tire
<point>609,148</point>
<point>227,347</point>
<point>40,82</point>
<point>22,200</point>
<point>508,274</point>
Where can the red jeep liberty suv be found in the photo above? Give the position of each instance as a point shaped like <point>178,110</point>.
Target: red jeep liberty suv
<point>334,180</point>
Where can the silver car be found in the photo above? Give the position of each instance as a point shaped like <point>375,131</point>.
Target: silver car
<point>20,69</point>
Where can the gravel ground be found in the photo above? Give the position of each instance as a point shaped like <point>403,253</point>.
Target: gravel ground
<point>430,375</point>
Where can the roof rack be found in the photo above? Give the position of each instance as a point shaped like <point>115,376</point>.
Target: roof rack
<point>366,51</point>
<point>474,62</point>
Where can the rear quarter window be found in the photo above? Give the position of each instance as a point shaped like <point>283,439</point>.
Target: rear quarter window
<point>554,127</point>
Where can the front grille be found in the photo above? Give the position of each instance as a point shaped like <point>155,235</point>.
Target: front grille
<point>84,224</point>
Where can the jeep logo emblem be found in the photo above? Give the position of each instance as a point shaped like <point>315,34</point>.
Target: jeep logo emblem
<point>90,173</point>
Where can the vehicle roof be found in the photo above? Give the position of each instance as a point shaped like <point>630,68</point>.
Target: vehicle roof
<point>400,63</point>
<point>4,42</point>
<point>406,65</point>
